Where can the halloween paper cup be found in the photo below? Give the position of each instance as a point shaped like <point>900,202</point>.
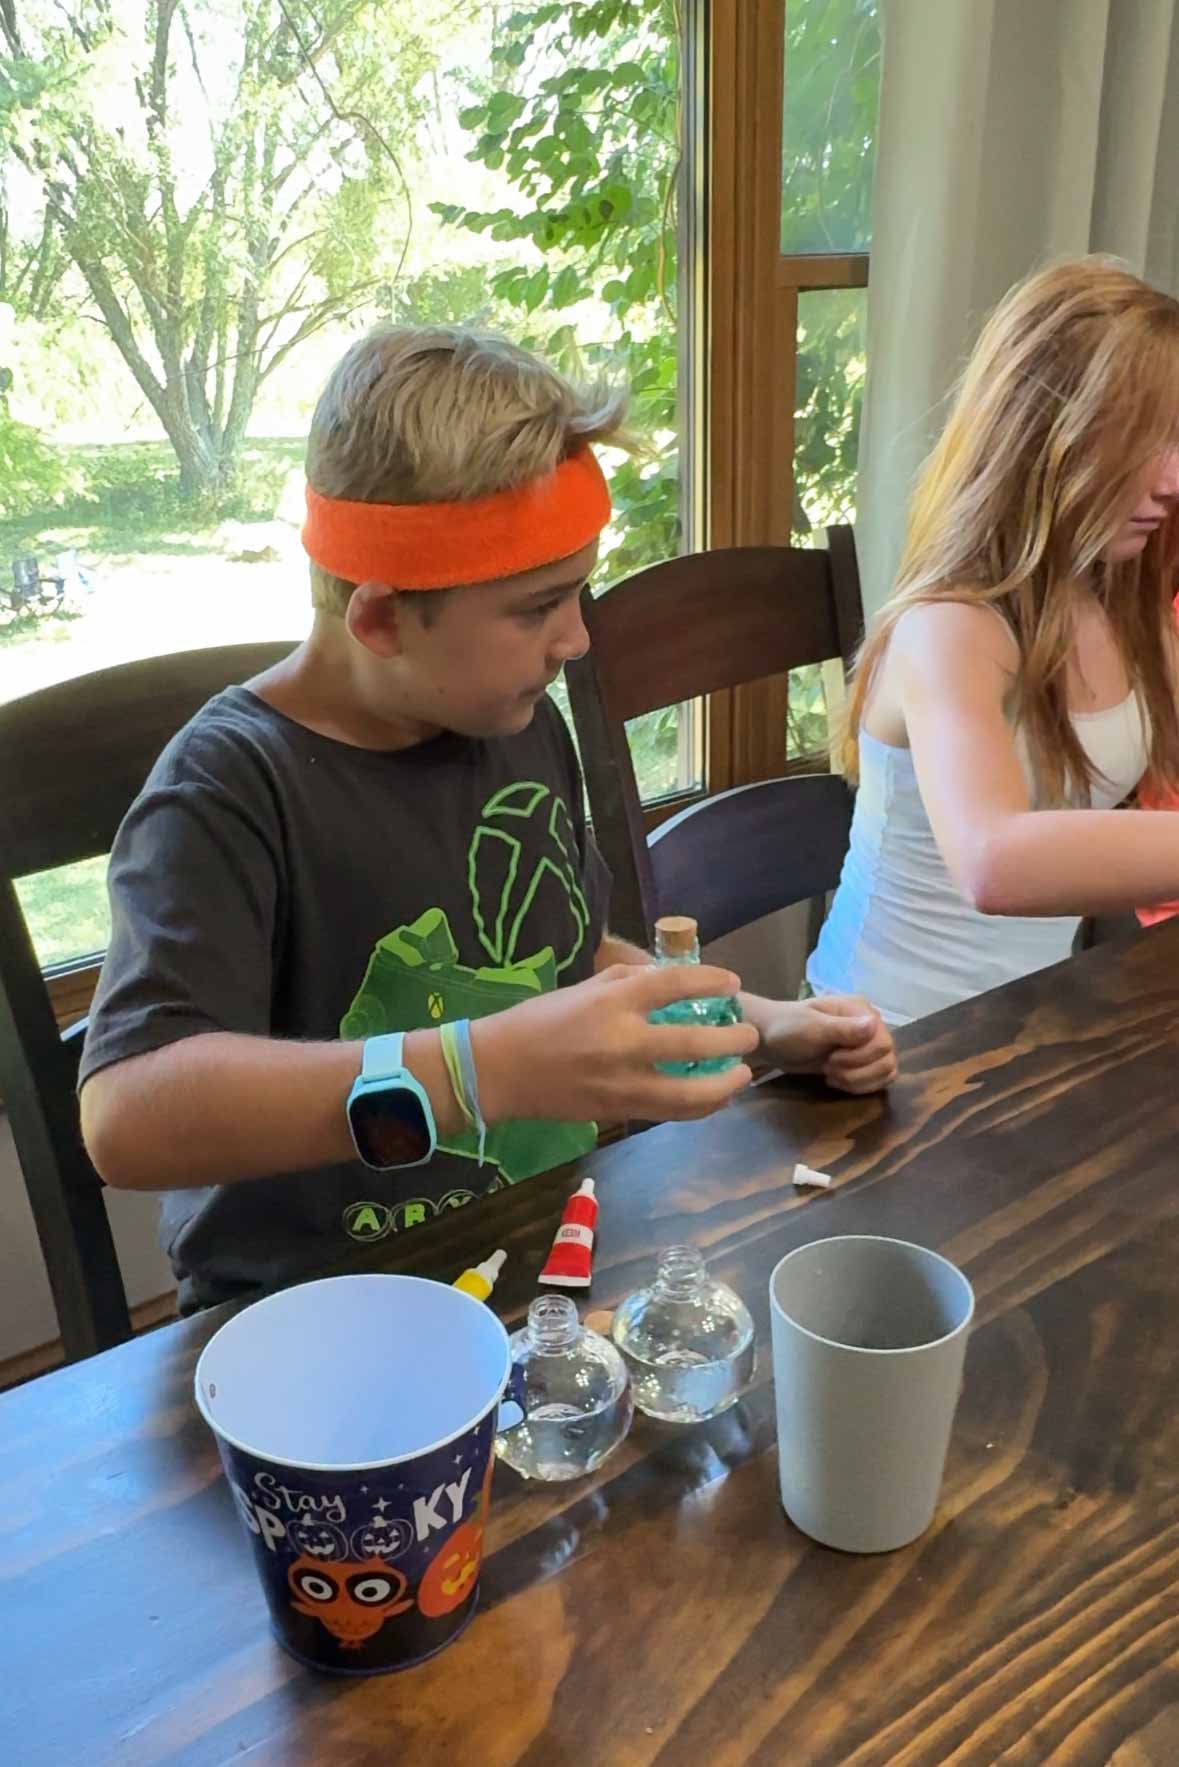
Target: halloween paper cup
<point>355,1419</point>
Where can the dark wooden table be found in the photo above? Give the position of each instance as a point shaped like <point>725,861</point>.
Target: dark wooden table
<point>664,1610</point>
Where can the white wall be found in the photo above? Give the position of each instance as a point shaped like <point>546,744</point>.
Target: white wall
<point>27,1318</point>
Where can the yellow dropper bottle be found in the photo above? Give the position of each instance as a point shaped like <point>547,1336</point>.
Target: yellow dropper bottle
<point>480,1279</point>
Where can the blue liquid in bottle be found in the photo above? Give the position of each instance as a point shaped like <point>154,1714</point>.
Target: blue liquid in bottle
<point>677,942</point>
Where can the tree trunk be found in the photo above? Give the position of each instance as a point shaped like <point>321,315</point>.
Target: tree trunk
<point>202,463</point>
<point>206,464</point>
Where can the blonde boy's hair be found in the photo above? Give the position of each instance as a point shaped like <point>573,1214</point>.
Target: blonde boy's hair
<point>436,414</point>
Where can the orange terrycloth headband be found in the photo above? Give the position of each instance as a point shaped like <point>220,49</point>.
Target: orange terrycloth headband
<point>440,545</point>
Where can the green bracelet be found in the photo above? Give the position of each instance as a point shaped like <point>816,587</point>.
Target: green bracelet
<point>460,1067</point>
<point>454,1071</point>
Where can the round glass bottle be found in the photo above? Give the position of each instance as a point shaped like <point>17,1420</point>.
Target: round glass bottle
<point>571,1387</point>
<point>687,1341</point>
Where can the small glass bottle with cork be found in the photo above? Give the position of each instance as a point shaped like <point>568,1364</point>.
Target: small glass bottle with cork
<point>677,942</point>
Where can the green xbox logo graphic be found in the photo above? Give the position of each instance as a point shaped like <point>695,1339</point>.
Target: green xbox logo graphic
<point>524,851</point>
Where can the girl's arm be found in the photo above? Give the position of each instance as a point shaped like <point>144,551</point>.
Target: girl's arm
<point>951,666</point>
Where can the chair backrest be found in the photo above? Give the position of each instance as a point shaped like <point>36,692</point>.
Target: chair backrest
<point>689,627</point>
<point>72,759</point>
<point>732,858</point>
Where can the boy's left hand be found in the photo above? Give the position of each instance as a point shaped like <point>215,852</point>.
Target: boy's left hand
<point>836,1035</point>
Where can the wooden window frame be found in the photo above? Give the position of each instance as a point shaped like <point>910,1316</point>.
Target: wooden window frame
<point>71,988</point>
<point>752,339</point>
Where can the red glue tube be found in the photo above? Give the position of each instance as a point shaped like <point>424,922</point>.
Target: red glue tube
<point>570,1263</point>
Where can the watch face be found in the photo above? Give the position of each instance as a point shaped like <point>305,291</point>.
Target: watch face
<point>390,1128</point>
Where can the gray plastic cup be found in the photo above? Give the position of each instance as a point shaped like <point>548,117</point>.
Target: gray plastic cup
<point>869,1337</point>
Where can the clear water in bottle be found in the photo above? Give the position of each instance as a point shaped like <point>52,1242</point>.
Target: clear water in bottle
<point>571,1386</point>
<point>687,1340</point>
<point>677,943</point>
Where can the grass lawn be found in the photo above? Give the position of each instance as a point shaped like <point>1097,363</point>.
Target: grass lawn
<point>162,577</point>
<point>67,911</point>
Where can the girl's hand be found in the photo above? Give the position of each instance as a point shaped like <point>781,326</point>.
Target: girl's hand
<point>836,1035</point>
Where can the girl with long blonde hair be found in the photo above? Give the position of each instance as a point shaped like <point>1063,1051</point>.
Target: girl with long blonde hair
<point>1022,679</point>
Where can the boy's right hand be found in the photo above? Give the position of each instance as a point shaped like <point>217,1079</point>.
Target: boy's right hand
<point>588,1053</point>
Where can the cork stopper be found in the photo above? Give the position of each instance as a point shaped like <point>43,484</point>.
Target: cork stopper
<point>675,935</point>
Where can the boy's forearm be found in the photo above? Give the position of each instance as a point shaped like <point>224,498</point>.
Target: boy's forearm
<point>219,1108</point>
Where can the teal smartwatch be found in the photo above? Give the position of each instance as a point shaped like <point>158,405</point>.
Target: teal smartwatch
<point>389,1112</point>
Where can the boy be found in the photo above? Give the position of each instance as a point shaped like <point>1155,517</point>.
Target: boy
<point>383,835</point>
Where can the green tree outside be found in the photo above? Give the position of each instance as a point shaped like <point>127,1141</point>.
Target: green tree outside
<point>214,190</point>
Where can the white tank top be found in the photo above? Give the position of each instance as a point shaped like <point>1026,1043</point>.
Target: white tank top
<point>898,931</point>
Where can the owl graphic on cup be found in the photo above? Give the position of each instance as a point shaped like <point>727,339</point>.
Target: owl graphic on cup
<point>352,1587</point>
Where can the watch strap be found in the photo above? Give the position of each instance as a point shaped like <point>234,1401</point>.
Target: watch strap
<point>383,1056</point>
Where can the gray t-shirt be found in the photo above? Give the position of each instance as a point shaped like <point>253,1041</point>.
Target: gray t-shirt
<point>271,881</point>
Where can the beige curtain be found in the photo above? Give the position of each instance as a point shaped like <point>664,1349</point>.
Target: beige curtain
<point>1010,132</point>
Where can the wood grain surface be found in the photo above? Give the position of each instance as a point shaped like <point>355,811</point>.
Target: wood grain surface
<point>663,1610</point>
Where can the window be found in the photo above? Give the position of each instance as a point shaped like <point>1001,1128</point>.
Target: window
<point>830,86</point>
<point>829,385</point>
<point>792,117</point>
<point>831,80</point>
<point>201,206</point>
<point>829,389</point>
<point>581,119</point>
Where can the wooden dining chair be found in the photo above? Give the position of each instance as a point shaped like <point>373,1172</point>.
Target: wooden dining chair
<point>693,626</point>
<point>72,759</point>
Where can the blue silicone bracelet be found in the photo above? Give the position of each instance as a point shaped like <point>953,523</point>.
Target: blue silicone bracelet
<point>462,1032</point>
